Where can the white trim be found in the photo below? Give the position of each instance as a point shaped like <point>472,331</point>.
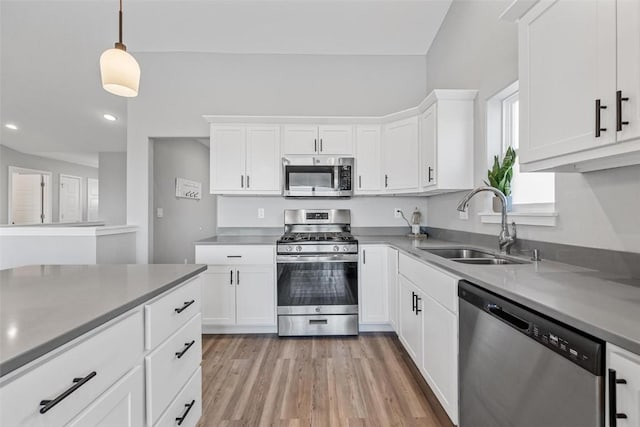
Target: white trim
<point>376,327</point>
<point>517,9</point>
<point>66,230</point>
<point>543,219</point>
<point>238,329</point>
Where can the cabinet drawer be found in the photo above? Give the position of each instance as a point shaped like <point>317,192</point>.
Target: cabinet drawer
<point>189,399</point>
<point>170,366</point>
<point>234,255</point>
<point>166,315</point>
<point>110,354</point>
<point>440,286</point>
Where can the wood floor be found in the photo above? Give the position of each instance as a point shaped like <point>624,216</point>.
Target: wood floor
<point>263,380</point>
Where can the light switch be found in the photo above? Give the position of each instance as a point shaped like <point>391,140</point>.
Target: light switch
<point>159,213</point>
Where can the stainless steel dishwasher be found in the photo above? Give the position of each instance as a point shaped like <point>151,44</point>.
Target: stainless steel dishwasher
<point>521,369</point>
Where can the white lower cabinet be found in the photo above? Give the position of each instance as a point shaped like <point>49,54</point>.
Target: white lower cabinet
<point>411,323</point>
<point>187,406</point>
<point>392,286</point>
<point>623,388</point>
<point>99,380</point>
<point>373,285</point>
<point>122,405</point>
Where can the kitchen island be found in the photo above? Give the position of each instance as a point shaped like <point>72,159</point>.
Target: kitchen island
<point>80,341</point>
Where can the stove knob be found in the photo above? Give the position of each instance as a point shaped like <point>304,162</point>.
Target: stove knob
<point>344,248</point>
<point>298,248</point>
<point>336,249</point>
<point>289,248</point>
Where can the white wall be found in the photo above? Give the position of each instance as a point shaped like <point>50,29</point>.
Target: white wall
<point>365,211</point>
<point>113,188</point>
<point>178,88</point>
<point>475,50</point>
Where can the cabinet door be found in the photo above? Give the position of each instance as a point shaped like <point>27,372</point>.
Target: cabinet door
<point>629,66</point>
<point>400,156</point>
<point>428,147</point>
<point>373,284</point>
<point>392,281</point>
<point>627,367</point>
<point>368,167</point>
<point>255,295</point>
<point>567,62</point>
<point>263,159</point>
<point>335,140</point>
<point>440,357</point>
<point>121,405</point>
<point>219,295</point>
<point>300,140</point>
<point>410,321</point>
<point>227,158</point>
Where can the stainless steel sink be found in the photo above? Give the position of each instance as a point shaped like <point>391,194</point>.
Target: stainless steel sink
<point>473,256</point>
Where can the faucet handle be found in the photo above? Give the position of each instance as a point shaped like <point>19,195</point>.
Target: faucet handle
<point>514,232</point>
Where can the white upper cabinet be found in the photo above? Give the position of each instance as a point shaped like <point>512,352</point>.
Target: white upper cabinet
<point>446,142</point>
<point>368,178</point>
<point>401,169</point>
<point>245,159</point>
<point>574,58</point>
<point>313,140</point>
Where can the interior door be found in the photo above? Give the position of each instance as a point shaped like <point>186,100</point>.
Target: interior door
<point>26,198</point>
<point>567,61</point>
<point>300,139</point>
<point>428,147</point>
<point>255,295</point>
<point>367,160</point>
<point>70,198</point>
<point>335,140</point>
<point>263,159</point>
<point>227,163</point>
<point>400,156</point>
<point>93,199</point>
<point>219,295</point>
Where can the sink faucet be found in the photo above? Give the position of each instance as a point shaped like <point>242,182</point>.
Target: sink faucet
<point>505,240</point>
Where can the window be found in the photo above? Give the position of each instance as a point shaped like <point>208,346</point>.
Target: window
<point>533,194</point>
<point>527,188</point>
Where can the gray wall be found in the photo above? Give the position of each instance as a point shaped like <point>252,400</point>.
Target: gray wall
<point>113,188</point>
<point>475,50</point>
<point>185,220</point>
<point>178,88</point>
<point>10,157</point>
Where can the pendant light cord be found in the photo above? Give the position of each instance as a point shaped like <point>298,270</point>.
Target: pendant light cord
<point>119,44</point>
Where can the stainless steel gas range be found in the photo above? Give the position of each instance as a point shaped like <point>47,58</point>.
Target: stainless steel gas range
<point>317,259</point>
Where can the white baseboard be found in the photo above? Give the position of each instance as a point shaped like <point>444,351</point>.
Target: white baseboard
<point>239,329</point>
<point>376,327</point>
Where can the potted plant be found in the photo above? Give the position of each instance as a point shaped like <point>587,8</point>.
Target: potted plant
<point>500,176</point>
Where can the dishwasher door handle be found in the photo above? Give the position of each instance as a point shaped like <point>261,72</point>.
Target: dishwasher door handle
<point>507,317</point>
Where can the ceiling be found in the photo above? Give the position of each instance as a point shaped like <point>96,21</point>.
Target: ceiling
<point>50,77</point>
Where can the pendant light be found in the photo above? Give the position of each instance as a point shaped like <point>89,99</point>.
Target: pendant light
<point>119,70</point>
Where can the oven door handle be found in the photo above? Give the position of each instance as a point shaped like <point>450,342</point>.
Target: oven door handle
<point>294,259</point>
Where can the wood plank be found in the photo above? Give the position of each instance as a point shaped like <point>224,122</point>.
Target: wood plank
<point>264,380</point>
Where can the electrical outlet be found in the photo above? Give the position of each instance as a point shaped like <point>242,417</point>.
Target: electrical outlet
<point>261,213</point>
<point>464,215</point>
<point>397,213</point>
<point>159,212</point>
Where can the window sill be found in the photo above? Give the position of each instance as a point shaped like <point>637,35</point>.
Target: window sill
<point>541,219</point>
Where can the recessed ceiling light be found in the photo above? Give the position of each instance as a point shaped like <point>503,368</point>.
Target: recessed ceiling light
<point>110,117</point>
<point>11,126</point>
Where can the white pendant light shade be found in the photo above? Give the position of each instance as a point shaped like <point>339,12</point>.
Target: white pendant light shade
<point>120,72</point>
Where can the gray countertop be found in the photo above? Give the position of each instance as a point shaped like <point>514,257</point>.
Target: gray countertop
<point>45,306</point>
<point>604,305</point>
<point>238,240</point>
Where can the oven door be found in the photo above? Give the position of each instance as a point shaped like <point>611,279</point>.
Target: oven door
<point>318,284</point>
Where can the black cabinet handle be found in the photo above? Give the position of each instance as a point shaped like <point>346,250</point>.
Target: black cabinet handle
<point>188,345</point>
<point>321,145</point>
<point>430,172</point>
<point>231,277</point>
<point>180,420</point>
<point>599,107</point>
<point>614,416</point>
<point>413,301</point>
<point>247,181</point>
<point>619,99</point>
<point>79,382</point>
<point>359,181</point>
<point>237,277</point>
<point>364,256</point>
<point>418,310</point>
<point>386,180</point>
<point>241,181</point>
<point>185,306</point>
<point>315,145</point>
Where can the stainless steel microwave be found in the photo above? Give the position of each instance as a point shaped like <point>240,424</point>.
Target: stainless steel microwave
<point>317,177</point>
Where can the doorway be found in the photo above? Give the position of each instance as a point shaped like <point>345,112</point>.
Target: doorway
<point>70,198</point>
<point>29,196</point>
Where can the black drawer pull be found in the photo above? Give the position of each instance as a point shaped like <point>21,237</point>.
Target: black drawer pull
<point>180,420</point>
<point>413,301</point>
<point>185,306</point>
<point>179,354</point>
<point>599,127</point>
<point>79,382</point>
<point>418,310</point>
<point>614,416</point>
<point>619,121</point>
